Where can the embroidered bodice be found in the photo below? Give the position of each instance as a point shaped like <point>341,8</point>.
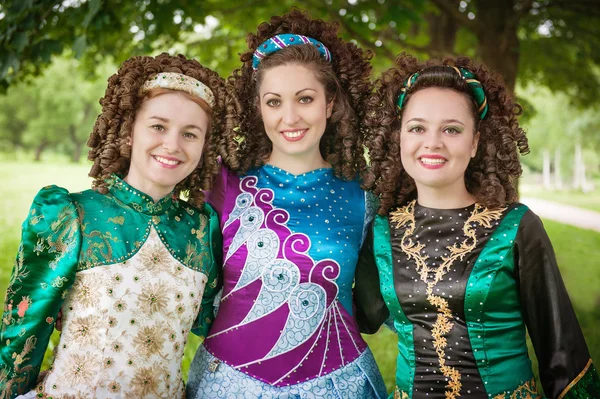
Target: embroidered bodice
<point>135,276</point>
<point>461,286</point>
<point>290,248</point>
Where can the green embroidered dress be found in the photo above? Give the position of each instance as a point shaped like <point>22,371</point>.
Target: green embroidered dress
<point>133,277</point>
<point>461,286</point>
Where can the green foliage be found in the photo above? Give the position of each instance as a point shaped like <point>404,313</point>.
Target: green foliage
<point>556,123</point>
<point>556,42</point>
<point>54,111</point>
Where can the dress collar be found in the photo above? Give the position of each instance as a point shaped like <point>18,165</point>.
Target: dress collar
<point>138,200</point>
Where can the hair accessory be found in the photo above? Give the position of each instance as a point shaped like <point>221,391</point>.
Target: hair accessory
<point>469,78</point>
<point>180,82</point>
<point>278,42</point>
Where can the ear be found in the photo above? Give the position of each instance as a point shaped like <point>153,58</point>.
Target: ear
<point>475,144</point>
<point>330,108</point>
<point>129,141</point>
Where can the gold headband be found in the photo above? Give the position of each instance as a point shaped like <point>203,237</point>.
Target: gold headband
<point>180,82</point>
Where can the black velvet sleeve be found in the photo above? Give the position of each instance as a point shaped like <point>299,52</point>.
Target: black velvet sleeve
<point>369,305</point>
<point>551,322</point>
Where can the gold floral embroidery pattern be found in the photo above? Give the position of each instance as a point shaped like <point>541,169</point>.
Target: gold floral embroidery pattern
<point>443,325</point>
<point>398,394</point>
<point>527,390</point>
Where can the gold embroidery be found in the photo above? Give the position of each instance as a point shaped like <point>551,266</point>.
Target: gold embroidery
<point>442,325</point>
<point>398,394</point>
<point>527,390</point>
<point>117,220</point>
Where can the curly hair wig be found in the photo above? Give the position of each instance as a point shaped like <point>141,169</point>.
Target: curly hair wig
<point>490,175</point>
<point>109,141</point>
<point>346,81</point>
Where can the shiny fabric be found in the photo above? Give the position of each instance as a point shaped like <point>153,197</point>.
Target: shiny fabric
<point>291,243</point>
<point>469,281</point>
<point>135,276</point>
<point>359,379</point>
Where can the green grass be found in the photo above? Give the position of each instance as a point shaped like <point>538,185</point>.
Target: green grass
<point>577,252</point>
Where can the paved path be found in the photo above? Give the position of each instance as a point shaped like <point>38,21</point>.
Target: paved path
<point>562,213</point>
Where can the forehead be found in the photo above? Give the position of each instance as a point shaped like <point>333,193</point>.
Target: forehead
<point>173,105</point>
<point>289,78</point>
<point>437,103</point>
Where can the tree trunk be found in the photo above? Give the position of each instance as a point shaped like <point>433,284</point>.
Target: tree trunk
<point>40,149</point>
<point>77,144</point>
<point>498,40</point>
<point>557,170</point>
<point>442,29</point>
<point>546,176</point>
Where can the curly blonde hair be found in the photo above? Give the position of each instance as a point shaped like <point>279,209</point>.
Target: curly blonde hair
<point>490,175</point>
<point>346,82</point>
<point>108,142</point>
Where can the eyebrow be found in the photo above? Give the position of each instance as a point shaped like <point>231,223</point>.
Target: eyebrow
<point>298,92</point>
<point>160,118</point>
<point>444,121</point>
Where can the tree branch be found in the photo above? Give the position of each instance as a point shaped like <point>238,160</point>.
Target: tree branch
<point>451,10</point>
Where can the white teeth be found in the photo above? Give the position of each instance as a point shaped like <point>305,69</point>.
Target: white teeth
<point>166,161</point>
<point>433,161</point>
<point>295,134</point>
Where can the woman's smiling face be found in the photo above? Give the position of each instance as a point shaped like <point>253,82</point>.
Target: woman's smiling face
<point>438,140</point>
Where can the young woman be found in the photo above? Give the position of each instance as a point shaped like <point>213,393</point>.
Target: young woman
<point>463,268</point>
<point>131,264</point>
<point>293,217</point>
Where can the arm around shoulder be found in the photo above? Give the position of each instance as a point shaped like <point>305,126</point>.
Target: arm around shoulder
<point>206,313</point>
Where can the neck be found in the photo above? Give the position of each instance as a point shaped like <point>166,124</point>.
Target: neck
<point>449,198</point>
<point>298,165</point>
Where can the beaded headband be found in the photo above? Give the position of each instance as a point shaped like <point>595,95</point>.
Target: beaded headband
<point>469,78</point>
<point>180,82</point>
<point>279,42</point>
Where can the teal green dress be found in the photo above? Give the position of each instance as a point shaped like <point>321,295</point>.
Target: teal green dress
<point>132,276</point>
<point>461,286</point>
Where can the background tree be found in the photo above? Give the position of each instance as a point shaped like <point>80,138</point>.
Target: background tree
<point>550,42</point>
<point>54,111</point>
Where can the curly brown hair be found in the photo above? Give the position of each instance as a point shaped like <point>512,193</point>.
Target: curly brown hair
<point>346,81</point>
<point>108,142</point>
<point>490,175</point>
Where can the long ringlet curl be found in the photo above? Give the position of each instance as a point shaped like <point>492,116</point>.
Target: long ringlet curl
<point>346,80</point>
<point>108,142</point>
<point>490,176</point>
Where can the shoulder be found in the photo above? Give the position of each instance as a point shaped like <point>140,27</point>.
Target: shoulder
<point>52,201</point>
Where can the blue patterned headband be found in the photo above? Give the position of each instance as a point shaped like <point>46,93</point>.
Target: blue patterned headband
<point>278,42</point>
<point>469,78</point>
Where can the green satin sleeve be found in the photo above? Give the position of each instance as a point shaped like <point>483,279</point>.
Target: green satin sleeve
<point>44,270</point>
<point>206,314</point>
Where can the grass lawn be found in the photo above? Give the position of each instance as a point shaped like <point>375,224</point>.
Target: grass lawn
<point>577,251</point>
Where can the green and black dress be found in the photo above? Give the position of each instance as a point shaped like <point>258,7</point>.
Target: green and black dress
<point>462,287</point>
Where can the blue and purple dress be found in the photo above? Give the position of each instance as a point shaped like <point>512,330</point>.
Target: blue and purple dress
<point>285,326</point>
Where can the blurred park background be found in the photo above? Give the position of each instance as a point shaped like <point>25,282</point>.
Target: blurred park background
<point>55,58</point>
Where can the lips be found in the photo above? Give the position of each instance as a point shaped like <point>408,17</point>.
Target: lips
<point>294,135</point>
<point>432,161</point>
<point>167,161</point>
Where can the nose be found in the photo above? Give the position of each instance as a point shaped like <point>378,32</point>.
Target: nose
<point>290,114</point>
<point>171,142</point>
<point>433,140</point>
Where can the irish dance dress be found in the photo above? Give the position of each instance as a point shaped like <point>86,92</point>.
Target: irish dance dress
<point>462,286</point>
<point>132,276</point>
<point>285,327</point>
